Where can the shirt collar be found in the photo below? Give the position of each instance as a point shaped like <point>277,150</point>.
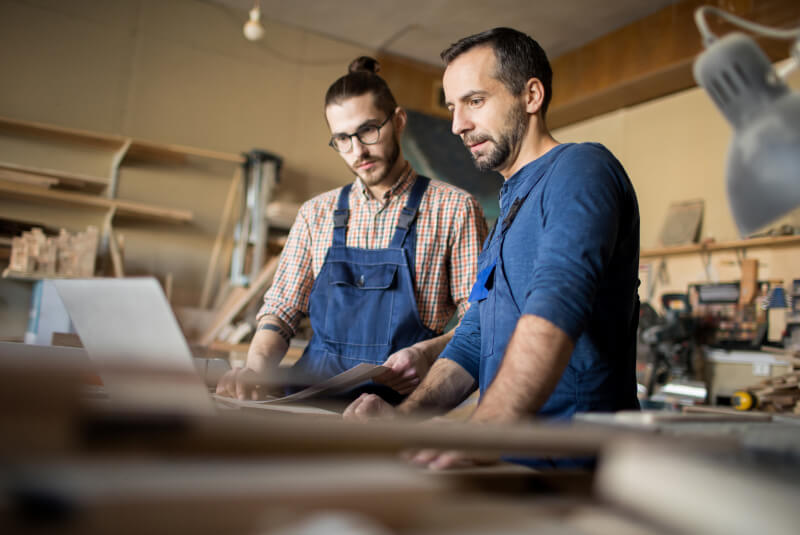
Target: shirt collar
<point>403,182</point>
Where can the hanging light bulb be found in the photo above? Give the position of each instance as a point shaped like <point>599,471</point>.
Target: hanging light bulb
<point>253,30</point>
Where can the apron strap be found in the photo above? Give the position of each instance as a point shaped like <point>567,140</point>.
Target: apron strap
<point>409,213</point>
<point>340,217</point>
<point>512,213</point>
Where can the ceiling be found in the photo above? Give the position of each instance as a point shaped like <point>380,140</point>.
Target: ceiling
<point>420,29</point>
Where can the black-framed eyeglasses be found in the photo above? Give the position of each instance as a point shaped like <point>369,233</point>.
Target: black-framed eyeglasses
<point>369,134</point>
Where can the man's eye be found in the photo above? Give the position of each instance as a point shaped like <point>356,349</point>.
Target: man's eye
<point>340,137</point>
<point>475,101</point>
<point>366,130</point>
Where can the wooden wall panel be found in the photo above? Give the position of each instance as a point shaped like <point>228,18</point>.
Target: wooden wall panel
<point>650,58</point>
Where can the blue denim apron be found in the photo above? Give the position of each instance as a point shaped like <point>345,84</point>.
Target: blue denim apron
<point>576,391</point>
<point>362,305</point>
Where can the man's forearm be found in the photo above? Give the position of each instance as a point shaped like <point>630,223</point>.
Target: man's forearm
<point>269,345</point>
<point>446,385</point>
<point>535,359</point>
<point>432,347</point>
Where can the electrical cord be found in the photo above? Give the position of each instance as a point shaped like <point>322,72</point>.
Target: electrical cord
<point>709,37</point>
<point>235,17</point>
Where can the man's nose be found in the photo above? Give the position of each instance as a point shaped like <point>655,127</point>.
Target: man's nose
<point>461,122</point>
<point>360,149</point>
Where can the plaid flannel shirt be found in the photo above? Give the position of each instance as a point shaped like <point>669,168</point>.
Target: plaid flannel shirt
<point>450,230</point>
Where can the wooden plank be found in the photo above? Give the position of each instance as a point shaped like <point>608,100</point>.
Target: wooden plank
<point>222,231</point>
<point>769,241</point>
<point>169,152</point>
<point>138,148</point>
<point>749,281</point>
<point>28,178</point>
<point>48,130</point>
<point>734,414</point>
<point>654,481</point>
<point>124,208</point>
<point>256,289</point>
<point>119,155</point>
<point>116,256</point>
<point>64,177</point>
<point>161,496</point>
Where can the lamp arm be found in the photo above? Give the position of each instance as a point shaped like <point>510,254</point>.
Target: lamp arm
<point>709,37</point>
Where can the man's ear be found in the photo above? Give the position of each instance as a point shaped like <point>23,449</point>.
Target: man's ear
<point>399,120</point>
<point>534,96</point>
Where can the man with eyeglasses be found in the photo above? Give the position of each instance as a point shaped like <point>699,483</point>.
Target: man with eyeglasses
<point>380,265</point>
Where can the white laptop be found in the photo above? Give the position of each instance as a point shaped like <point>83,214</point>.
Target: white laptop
<point>130,333</point>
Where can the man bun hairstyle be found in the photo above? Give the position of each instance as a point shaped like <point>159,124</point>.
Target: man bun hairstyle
<point>365,63</point>
<point>519,58</point>
<point>362,78</point>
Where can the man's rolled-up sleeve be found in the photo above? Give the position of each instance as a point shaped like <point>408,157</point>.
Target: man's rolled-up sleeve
<point>464,348</point>
<point>581,213</point>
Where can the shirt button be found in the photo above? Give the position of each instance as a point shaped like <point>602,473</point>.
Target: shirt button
<point>361,281</point>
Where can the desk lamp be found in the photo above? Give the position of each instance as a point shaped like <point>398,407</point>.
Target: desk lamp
<point>763,168</point>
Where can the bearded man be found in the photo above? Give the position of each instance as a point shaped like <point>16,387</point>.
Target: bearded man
<point>552,326</point>
<point>380,265</point>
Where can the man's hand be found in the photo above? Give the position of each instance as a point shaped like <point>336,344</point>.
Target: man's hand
<point>408,367</point>
<point>245,384</point>
<point>451,459</point>
<point>369,407</point>
<point>446,459</point>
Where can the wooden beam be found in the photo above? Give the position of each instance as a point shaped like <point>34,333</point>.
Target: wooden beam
<point>137,148</point>
<point>769,241</point>
<point>644,60</point>
<point>241,300</point>
<point>58,132</point>
<point>27,178</point>
<point>124,208</point>
<point>9,171</point>
<point>116,255</point>
<point>650,58</point>
<point>148,150</point>
<point>222,231</point>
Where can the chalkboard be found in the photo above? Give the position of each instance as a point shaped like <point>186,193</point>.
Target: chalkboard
<point>435,152</point>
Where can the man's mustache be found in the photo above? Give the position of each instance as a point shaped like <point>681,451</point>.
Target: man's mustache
<point>470,140</point>
<point>362,162</point>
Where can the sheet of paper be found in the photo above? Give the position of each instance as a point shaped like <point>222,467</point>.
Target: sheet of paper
<point>338,383</point>
<point>231,403</point>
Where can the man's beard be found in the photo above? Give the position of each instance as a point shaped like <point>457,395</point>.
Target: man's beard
<point>372,180</point>
<point>507,144</point>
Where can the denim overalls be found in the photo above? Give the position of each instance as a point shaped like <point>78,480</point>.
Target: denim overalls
<point>362,305</point>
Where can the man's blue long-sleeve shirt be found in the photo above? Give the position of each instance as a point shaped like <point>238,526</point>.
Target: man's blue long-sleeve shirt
<point>570,256</point>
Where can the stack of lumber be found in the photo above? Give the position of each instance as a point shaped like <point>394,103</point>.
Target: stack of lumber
<point>67,255</point>
<point>776,394</point>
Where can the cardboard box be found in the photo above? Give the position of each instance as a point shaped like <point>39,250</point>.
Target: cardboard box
<point>729,371</point>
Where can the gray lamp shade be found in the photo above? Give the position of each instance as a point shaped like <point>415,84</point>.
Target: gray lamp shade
<point>763,170</point>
